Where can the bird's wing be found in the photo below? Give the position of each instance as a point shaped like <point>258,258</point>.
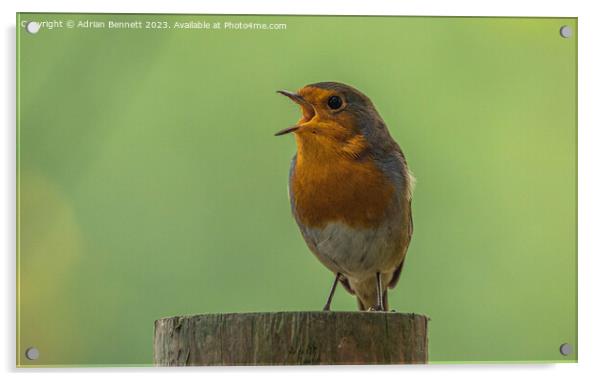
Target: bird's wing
<point>409,184</point>
<point>397,272</point>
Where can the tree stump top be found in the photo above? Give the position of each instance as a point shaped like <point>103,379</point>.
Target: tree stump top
<point>291,338</point>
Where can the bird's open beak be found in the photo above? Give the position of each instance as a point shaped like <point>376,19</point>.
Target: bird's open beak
<point>293,96</point>
<point>285,131</point>
<point>308,111</point>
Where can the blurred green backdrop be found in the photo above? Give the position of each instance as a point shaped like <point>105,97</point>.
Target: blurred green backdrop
<point>150,185</point>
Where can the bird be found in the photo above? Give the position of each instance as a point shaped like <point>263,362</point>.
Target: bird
<point>350,190</point>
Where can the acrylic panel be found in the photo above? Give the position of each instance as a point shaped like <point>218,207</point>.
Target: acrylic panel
<point>149,182</point>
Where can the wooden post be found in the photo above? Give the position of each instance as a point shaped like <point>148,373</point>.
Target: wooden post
<point>291,338</point>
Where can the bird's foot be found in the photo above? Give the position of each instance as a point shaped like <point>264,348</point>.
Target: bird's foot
<point>376,308</point>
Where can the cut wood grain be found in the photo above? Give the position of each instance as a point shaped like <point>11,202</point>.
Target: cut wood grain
<point>291,338</point>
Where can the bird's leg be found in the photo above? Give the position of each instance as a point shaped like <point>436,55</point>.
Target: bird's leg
<point>379,294</point>
<point>332,289</point>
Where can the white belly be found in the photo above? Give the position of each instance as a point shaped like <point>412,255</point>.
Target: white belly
<point>356,253</point>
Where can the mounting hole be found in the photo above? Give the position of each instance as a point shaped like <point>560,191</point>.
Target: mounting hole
<point>33,27</point>
<point>32,353</point>
<point>566,31</point>
<point>566,349</point>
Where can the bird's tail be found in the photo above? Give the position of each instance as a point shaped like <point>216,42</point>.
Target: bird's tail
<point>365,304</point>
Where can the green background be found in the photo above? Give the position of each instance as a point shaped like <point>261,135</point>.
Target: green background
<point>150,185</point>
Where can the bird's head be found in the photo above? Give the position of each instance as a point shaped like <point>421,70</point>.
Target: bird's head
<point>335,116</point>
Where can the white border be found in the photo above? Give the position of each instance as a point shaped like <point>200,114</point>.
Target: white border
<point>590,189</point>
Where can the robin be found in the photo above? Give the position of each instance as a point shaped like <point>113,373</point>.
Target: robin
<point>350,191</point>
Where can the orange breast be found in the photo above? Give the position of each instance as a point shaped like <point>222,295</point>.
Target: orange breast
<point>336,187</point>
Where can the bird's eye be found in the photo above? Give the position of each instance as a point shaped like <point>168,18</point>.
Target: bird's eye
<point>335,102</point>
